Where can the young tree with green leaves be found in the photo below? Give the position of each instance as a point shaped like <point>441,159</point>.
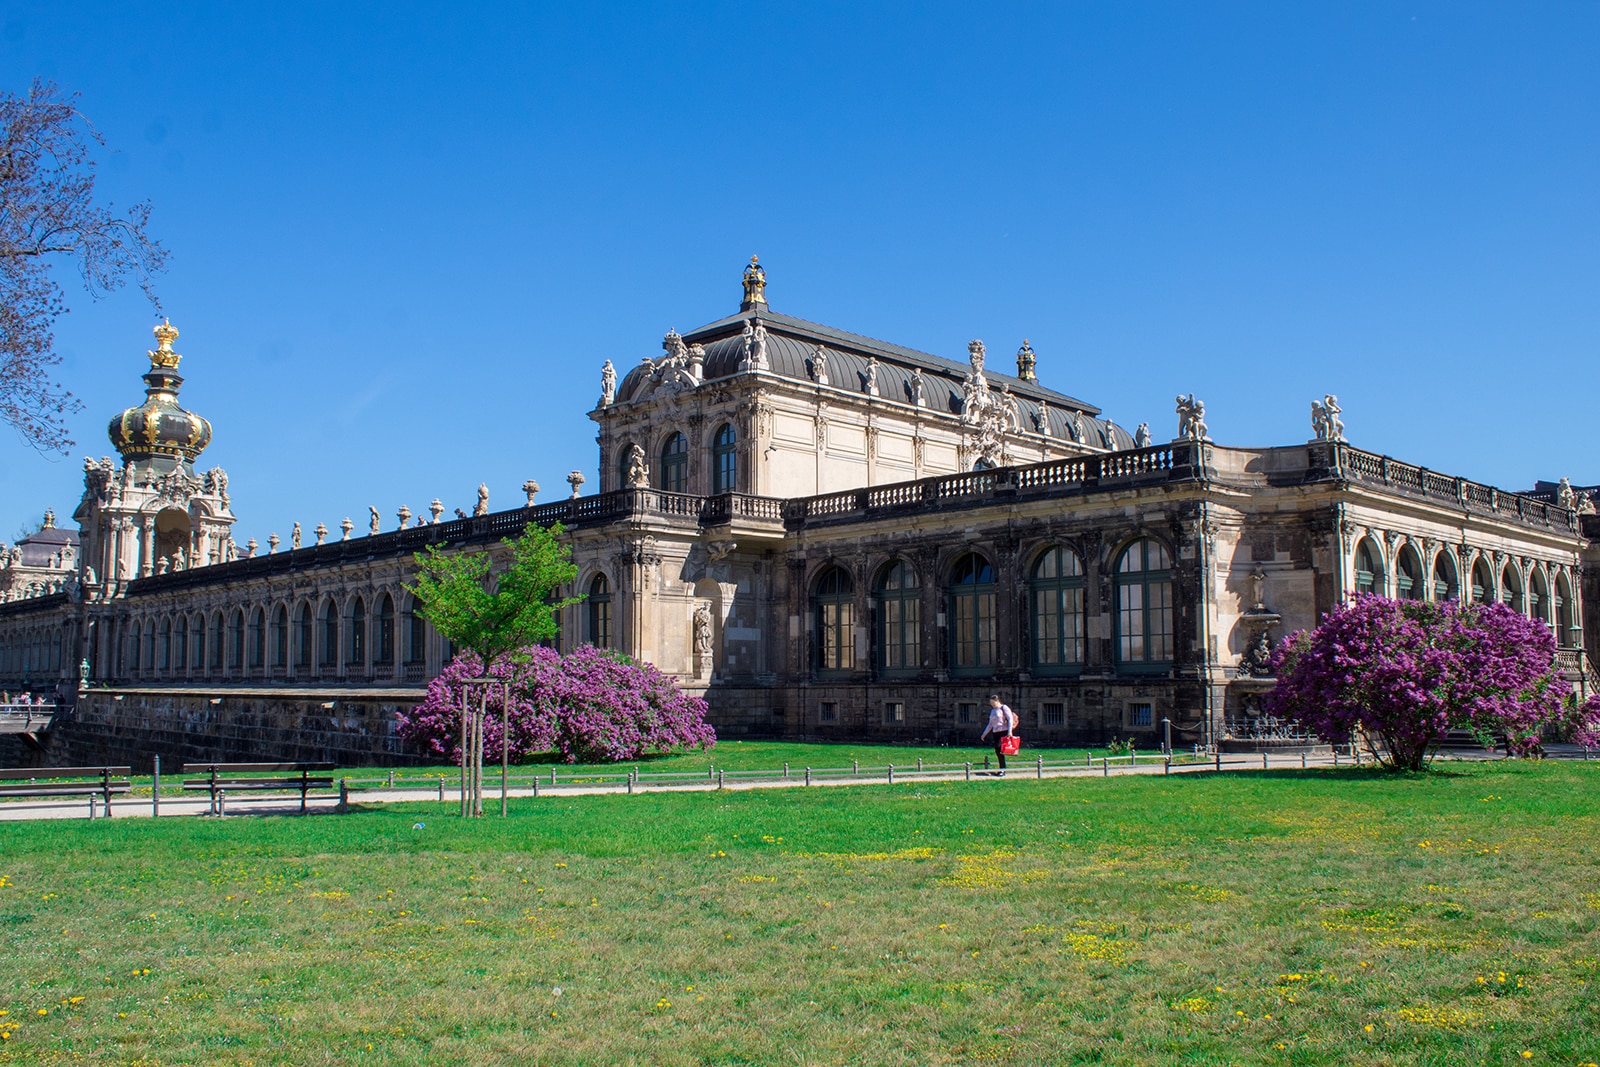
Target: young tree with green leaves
<point>493,612</point>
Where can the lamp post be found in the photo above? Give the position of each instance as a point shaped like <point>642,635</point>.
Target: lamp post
<point>1166,744</point>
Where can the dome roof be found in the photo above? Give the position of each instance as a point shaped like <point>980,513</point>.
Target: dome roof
<point>159,426</point>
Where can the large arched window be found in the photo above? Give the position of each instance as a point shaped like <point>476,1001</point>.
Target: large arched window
<point>357,650</point>
<point>416,633</point>
<point>1566,635</point>
<point>303,640</point>
<point>199,629</point>
<point>725,460</point>
<point>1369,569</point>
<point>673,475</point>
<point>1538,598</point>
<point>236,641</point>
<point>180,643</point>
<point>899,618</point>
<point>216,641</point>
<point>1408,574</point>
<point>1057,592</point>
<point>1444,579</point>
<point>599,606</point>
<point>1144,605</point>
<point>330,636</point>
<point>1482,583</point>
<point>972,640</point>
<point>833,606</point>
<point>258,638</point>
<point>1511,588</point>
<point>384,637</point>
<point>280,637</point>
<point>164,646</point>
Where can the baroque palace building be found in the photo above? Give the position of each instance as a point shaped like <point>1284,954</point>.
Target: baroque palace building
<point>828,536</point>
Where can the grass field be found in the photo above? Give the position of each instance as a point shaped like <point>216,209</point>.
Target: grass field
<point>1294,917</point>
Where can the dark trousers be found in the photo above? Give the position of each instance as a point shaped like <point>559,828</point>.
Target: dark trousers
<point>999,755</point>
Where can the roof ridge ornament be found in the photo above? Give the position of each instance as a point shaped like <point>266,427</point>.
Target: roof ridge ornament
<point>164,357</point>
<point>755,286</point>
<point>1026,360</point>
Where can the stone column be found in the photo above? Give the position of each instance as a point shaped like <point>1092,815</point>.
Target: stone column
<point>147,545</point>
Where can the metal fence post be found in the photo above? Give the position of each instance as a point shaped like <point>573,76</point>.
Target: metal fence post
<point>441,789</point>
<point>808,776</point>
<point>630,783</point>
<point>719,779</point>
<point>1039,767</point>
<point>391,778</point>
<point>855,768</point>
<point>1302,761</point>
<point>1166,765</point>
<point>1105,767</point>
<point>919,764</point>
<point>1263,760</point>
<point>344,796</point>
<point>1219,757</point>
<point>155,789</point>
<point>969,770</point>
<point>786,770</point>
<point>891,774</point>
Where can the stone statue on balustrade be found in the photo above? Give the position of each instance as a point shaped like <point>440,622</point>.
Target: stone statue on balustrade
<point>638,475</point>
<point>608,384</point>
<point>1326,425</point>
<point>1192,419</point>
<point>482,506</point>
<point>372,519</point>
<point>1141,436</point>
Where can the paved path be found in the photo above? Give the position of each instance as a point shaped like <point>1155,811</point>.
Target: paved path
<point>238,803</point>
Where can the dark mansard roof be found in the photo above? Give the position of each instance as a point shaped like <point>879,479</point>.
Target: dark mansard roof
<point>791,342</point>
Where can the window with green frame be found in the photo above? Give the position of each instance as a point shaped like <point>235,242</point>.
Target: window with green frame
<point>599,605</point>
<point>899,618</point>
<point>833,606</point>
<point>1408,574</point>
<point>972,601</point>
<point>1057,593</point>
<point>1144,605</point>
<point>725,460</point>
<point>1369,569</point>
<point>674,468</point>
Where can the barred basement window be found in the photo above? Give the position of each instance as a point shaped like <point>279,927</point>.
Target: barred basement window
<point>894,711</point>
<point>1141,714</point>
<point>1053,715</point>
<point>966,712</point>
<point>828,711</point>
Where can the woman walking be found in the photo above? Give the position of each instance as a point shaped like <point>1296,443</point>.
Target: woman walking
<point>1002,724</point>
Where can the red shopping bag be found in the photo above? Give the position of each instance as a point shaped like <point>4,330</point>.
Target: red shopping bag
<point>1010,746</point>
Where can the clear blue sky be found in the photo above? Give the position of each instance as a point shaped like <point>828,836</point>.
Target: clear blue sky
<point>405,237</point>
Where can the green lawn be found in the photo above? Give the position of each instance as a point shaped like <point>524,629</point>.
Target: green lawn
<point>1297,918</point>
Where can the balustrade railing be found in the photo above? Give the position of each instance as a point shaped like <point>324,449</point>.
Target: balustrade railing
<point>1529,507</point>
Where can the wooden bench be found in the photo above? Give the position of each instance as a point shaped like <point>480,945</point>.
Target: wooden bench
<point>221,777</point>
<point>92,782</point>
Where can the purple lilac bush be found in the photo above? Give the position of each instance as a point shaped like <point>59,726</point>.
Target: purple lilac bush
<point>591,706</point>
<point>1407,671</point>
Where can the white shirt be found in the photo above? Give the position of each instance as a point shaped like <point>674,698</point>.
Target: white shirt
<point>1001,720</point>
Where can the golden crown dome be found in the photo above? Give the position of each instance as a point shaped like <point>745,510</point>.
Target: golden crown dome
<point>159,426</point>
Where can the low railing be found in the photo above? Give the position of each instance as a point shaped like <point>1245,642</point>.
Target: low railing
<point>1527,507</point>
<point>1267,728</point>
<point>26,718</point>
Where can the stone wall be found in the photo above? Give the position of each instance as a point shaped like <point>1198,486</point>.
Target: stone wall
<point>129,726</point>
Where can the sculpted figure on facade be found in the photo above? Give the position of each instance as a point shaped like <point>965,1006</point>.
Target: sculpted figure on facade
<point>608,384</point>
<point>1325,422</point>
<point>1141,436</point>
<point>294,536</point>
<point>482,506</point>
<point>819,366</point>
<point>1042,419</point>
<point>1191,419</point>
<point>702,635</point>
<point>373,521</point>
<point>638,474</point>
<point>870,383</point>
<point>918,385</point>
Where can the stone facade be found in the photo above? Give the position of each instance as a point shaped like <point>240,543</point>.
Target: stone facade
<point>829,537</point>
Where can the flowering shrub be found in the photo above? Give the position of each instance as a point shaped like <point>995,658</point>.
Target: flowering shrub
<point>1408,671</point>
<point>592,706</point>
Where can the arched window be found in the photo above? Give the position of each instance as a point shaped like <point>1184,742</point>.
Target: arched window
<point>982,465</point>
<point>149,646</point>
<point>1444,579</point>
<point>1369,569</point>
<point>280,637</point>
<point>357,649</point>
<point>724,460</point>
<point>899,618</point>
<point>1566,635</point>
<point>258,638</point>
<point>330,637</point>
<point>1144,605</point>
<point>1057,591</point>
<point>1408,574</point>
<point>833,605</point>
<point>236,640</point>
<point>164,646</point>
<point>1511,588</point>
<point>303,638</point>
<point>384,653</point>
<point>972,614</point>
<point>199,629</point>
<point>416,633</point>
<point>1538,598</point>
<point>1482,583</point>
<point>180,643</point>
<point>216,641</point>
<point>136,640</point>
<point>599,605</point>
<point>673,476</point>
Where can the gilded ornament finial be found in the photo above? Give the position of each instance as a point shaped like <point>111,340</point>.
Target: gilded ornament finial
<point>164,356</point>
<point>755,285</point>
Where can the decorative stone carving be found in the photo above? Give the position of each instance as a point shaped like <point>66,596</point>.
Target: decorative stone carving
<point>530,487</point>
<point>608,384</point>
<point>345,527</point>
<point>482,506</point>
<point>1325,422</point>
<point>321,531</point>
<point>755,345</point>
<point>1025,362</point>
<point>986,413</point>
<point>1141,436</point>
<point>755,284</point>
<point>819,366</point>
<point>294,537</point>
<point>702,640</point>
<point>272,544</point>
<point>1566,496</point>
<point>575,479</point>
<point>437,507</point>
<point>404,515</point>
<point>870,378</point>
<point>638,475</point>
<point>373,522</point>
<point>1191,419</point>
<point>1042,419</point>
<point>918,385</point>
